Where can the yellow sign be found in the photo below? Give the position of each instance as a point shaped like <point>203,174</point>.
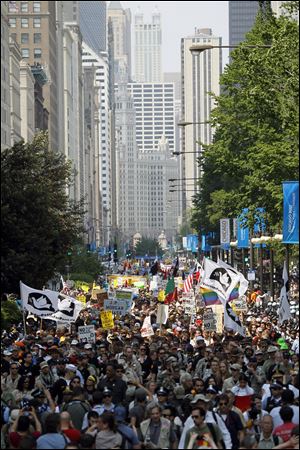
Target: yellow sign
<point>107,320</point>
<point>161,296</point>
<point>81,298</point>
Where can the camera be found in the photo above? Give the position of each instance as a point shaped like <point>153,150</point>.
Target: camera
<point>253,413</point>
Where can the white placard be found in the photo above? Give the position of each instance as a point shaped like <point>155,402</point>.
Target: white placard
<point>120,307</point>
<point>162,314</point>
<point>209,321</point>
<point>240,304</point>
<point>251,275</point>
<point>86,334</point>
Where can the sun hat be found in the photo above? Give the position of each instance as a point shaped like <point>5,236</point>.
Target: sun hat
<point>200,397</point>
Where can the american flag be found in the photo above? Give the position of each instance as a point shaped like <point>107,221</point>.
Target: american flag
<point>188,283</point>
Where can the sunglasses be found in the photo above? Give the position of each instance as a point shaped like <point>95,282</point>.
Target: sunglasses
<point>106,395</point>
<point>223,404</point>
<point>166,415</point>
<point>195,417</point>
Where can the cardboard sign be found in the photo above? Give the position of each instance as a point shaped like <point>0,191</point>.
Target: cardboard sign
<point>107,320</point>
<point>209,321</point>
<point>240,304</point>
<point>123,294</point>
<point>86,334</point>
<point>147,329</point>
<point>251,275</point>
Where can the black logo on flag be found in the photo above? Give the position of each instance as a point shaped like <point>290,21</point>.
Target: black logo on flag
<point>40,302</point>
<point>222,276</point>
<point>66,306</point>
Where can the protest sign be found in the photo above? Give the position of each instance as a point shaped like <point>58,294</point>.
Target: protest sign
<point>120,307</point>
<point>209,321</point>
<point>147,329</point>
<point>240,304</point>
<point>162,314</point>
<point>86,334</point>
<point>107,320</point>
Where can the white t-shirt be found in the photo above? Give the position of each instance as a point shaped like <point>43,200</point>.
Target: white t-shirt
<point>277,419</point>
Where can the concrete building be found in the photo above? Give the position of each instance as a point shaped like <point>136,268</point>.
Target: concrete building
<point>33,27</point>
<point>5,82</point>
<point>93,24</point>
<point>242,15</point>
<point>27,102</point>
<point>14,88</point>
<point>71,11</point>
<point>155,114</point>
<point>148,59</point>
<point>73,89</point>
<point>121,27</point>
<point>200,75</point>
<point>100,62</point>
<point>41,113</point>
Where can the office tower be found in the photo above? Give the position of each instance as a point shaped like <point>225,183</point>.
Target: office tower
<point>72,69</point>
<point>120,20</point>
<point>148,64</point>
<point>155,114</point>
<point>15,101</point>
<point>71,11</point>
<point>241,19</point>
<point>33,27</point>
<point>93,26</point>
<point>27,102</point>
<point>5,93</point>
<point>100,62</point>
<point>200,75</point>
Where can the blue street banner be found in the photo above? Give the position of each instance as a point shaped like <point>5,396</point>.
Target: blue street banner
<point>242,232</point>
<point>205,247</point>
<point>290,212</point>
<point>260,224</point>
<point>192,242</point>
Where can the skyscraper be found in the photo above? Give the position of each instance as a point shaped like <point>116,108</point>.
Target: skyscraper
<point>241,19</point>
<point>5,96</point>
<point>148,67</point>
<point>200,75</point>
<point>121,28</point>
<point>92,21</point>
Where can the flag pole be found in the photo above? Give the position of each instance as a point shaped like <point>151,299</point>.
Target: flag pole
<point>24,321</point>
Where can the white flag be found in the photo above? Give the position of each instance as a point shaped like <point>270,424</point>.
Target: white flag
<point>147,329</point>
<point>218,279</point>
<point>284,312</point>
<point>162,314</point>
<point>231,320</point>
<point>68,309</point>
<point>242,280</point>
<point>41,303</point>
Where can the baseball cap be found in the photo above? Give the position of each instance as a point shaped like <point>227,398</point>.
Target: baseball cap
<point>162,391</point>
<point>88,346</point>
<point>200,397</point>
<point>43,364</point>
<point>235,367</point>
<point>272,349</point>
<point>7,353</point>
<point>276,384</point>
<point>74,342</point>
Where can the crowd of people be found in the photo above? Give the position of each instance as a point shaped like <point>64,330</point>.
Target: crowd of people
<point>183,387</point>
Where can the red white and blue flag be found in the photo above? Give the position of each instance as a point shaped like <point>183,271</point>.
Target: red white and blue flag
<point>188,283</point>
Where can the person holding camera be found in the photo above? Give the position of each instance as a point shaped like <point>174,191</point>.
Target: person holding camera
<point>21,426</point>
<point>254,415</point>
<point>157,432</point>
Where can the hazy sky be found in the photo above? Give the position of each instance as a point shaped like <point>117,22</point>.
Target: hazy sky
<point>179,19</point>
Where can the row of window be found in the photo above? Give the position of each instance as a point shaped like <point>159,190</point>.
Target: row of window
<point>25,22</point>
<point>37,38</point>
<point>36,7</point>
<point>37,53</point>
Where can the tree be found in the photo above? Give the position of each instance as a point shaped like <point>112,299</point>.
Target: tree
<point>39,222</point>
<point>10,313</point>
<point>84,265</point>
<point>147,246</point>
<point>256,141</point>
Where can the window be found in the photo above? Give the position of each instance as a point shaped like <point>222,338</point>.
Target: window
<point>37,52</point>
<point>37,22</point>
<point>36,6</point>
<point>24,6</point>
<point>12,22</point>
<point>14,36</point>
<point>25,52</point>
<point>37,38</point>
<point>24,38</point>
<point>24,23</point>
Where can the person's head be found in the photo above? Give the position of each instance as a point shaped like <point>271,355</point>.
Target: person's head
<point>90,384</point>
<point>27,358</point>
<point>276,390</point>
<point>78,393</point>
<point>128,352</point>
<point>44,368</point>
<point>215,366</point>
<point>75,382</point>
<point>266,424</point>
<point>287,397</point>
<point>65,419</point>
<point>72,445</point>
<point>286,413</point>
<point>107,397</point>
<point>223,367</point>
<point>198,415</point>
<point>199,386</point>
<point>87,441</point>
<point>186,380</point>
<point>23,423</point>
<point>107,422</point>
<point>110,371</point>
<point>26,383</point>
<point>224,404</point>
<point>92,417</point>
<point>14,367</point>
<point>243,381</point>
<point>52,423</point>
<point>155,413</point>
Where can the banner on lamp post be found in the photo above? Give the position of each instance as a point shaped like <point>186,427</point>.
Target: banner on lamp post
<point>242,232</point>
<point>225,233</point>
<point>290,212</point>
<point>235,228</point>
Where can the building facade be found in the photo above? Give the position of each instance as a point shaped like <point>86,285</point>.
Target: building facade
<point>121,28</point>
<point>33,27</point>
<point>148,59</point>
<point>200,75</point>
<point>93,24</point>
<point>15,98</point>
<point>242,15</point>
<point>5,82</point>
<point>27,102</point>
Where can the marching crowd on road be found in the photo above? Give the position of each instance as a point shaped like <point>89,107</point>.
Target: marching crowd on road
<point>181,387</point>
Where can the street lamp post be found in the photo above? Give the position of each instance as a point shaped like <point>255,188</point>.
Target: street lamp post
<point>199,48</point>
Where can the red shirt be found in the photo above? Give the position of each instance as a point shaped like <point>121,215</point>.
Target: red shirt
<point>284,431</point>
<point>72,434</point>
<point>15,438</point>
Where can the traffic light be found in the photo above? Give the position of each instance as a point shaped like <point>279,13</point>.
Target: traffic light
<point>115,256</point>
<point>238,255</point>
<point>128,253</point>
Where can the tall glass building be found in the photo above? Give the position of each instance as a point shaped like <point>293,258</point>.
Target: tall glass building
<point>92,21</point>
<point>241,19</point>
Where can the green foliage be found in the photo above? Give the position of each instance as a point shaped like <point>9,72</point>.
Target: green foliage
<point>147,246</point>
<point>39,222</point>
<point>10,313</point>
<point>256,141</point>
<point>84,265</point>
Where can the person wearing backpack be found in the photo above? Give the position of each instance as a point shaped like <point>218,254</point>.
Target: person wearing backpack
<point>129,437</point>
<point>202,434</point>
<point>77,407</point>
<point>266,438</point>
